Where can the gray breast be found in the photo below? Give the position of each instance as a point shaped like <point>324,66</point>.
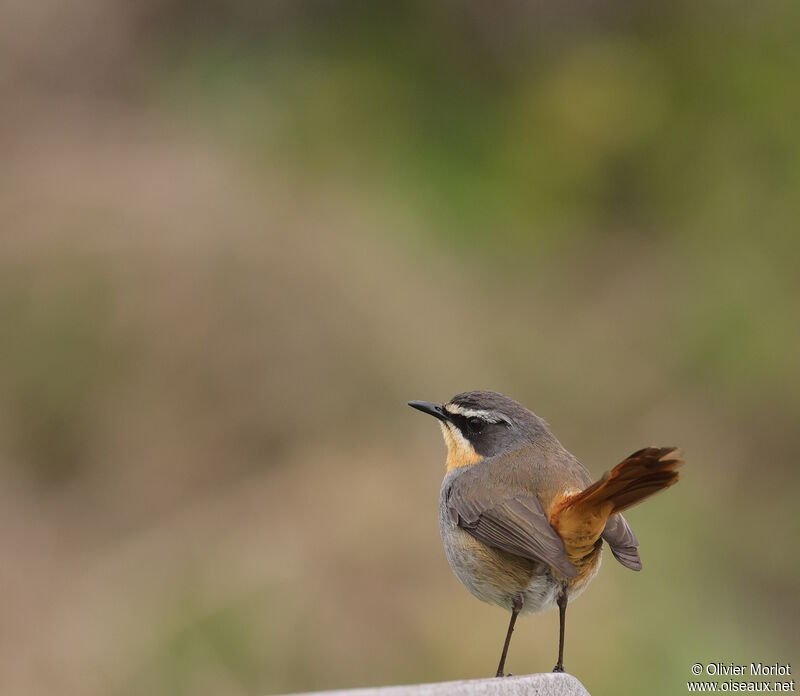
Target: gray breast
<point>492,575</point>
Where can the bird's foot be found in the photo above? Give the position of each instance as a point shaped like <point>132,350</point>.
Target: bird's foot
<point>558,668</point>
<point>500,674</point>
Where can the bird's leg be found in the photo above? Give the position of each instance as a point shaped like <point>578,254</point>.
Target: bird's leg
<point>516,605</point>
<point>562,614</point>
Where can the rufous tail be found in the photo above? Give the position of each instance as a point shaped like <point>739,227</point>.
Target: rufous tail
<point>581,517</point>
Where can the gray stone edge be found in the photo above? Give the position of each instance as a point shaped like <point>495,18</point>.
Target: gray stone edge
<point>547,684</point>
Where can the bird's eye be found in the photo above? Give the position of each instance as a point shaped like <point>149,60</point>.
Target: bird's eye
<point>475,424</point>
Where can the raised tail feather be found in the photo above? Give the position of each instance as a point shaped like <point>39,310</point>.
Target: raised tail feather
<point>580,518</point>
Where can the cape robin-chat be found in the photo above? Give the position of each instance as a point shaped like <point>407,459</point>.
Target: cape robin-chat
<point>521,519</point>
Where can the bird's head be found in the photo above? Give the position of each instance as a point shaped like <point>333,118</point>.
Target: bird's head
<point>480,424</point>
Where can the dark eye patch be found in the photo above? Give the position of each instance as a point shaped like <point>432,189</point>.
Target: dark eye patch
<point>475,424</point>
<point>469,425</point>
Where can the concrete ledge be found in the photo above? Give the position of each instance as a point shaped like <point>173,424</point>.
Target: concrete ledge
<point>548,684</point>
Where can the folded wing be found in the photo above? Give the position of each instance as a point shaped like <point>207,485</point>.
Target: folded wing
<point>517,525</point>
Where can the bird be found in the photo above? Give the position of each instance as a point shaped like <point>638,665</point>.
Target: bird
<point>522,520</point>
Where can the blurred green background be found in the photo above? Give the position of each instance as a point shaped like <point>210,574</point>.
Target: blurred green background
<point>238,236</point>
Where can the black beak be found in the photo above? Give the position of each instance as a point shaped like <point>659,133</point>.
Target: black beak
<point>431,409</point>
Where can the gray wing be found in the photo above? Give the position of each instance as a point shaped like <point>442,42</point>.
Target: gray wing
<point>623,542</point>
<point>514,524</point>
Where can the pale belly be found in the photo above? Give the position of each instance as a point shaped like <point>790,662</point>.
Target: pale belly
<point>497,577</point>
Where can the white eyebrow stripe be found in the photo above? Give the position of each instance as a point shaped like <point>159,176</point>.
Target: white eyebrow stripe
<point>489,416</point>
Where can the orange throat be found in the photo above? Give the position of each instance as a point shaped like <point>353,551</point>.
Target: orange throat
<point>459,450</point>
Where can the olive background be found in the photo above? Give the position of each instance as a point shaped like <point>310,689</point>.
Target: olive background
<point>238,236</point>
